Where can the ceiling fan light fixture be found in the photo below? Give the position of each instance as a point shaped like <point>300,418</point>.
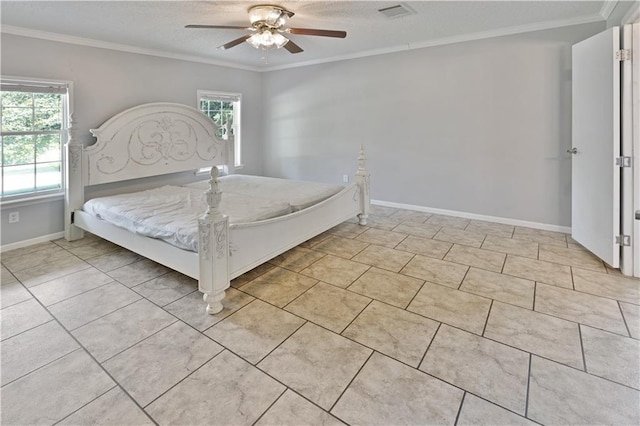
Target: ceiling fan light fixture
<point>267,39</point>
<point>270,15</point>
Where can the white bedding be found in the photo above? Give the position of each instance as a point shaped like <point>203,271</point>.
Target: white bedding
<point>170,213</point>
<point>299,194</point>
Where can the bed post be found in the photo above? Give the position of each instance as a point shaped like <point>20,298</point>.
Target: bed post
<point>213,248</point>
<point>74,188</point>
<point>363,181</point>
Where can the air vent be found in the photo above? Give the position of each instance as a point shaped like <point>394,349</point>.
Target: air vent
<point>396,11</point>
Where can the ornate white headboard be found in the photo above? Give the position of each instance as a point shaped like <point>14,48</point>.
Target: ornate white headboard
<point>154,139</point>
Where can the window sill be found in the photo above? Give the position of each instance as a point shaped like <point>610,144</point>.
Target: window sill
<point>28,201</point>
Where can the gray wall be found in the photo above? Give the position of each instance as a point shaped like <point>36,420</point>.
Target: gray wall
<point>107,82</point>
<point>479,127</point>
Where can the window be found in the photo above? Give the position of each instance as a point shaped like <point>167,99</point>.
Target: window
<point>33,129</point>
<point>223,108</point>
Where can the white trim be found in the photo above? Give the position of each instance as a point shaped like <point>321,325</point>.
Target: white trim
<point>607,8</point>
<point>30,242</point>
<point>633,15</point>
<point>26,32</point>
<point>474,216</point>
<point>81,41</point>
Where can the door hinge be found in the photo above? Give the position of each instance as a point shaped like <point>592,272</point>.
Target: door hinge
<point>623,161</point>
<point>623,240</point>
<point>623,55</point>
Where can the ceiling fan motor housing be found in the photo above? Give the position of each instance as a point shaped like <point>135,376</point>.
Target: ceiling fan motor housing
<point>269,16</point>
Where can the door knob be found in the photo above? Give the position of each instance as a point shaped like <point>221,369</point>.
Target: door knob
<point>572,151</point>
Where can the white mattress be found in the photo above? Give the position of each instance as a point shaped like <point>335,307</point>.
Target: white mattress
<point>299,194</point>
<point>170,213</point>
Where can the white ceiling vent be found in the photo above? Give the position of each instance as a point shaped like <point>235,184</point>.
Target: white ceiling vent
<point>397,11</point>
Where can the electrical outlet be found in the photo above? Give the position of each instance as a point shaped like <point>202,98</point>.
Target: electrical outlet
<point>345,178</point>
<point>14,217</point>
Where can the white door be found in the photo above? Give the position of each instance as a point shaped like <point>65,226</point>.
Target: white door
<point>595,178</point>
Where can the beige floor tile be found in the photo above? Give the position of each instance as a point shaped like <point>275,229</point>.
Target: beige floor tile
<point>62,288</point>
<point>341,247</point>
<point>383,257</point>
<point>29,250</point>
<point>293,410</point>
<point>448,221</point>
<point>167,288</point>
<point>335,270</point>
<point>411,216</point>
<point>491,228</point>
<point>328,306</point>
<point>113,333</point>
<point>491,370</point>
<point>278,286</point>
<point>49,254</point>
<point>138,272</point>
<point>54,391</point>
<point>392,331</point>
<point>453,307</point>
<point>511,246</point>
<point>382,222</point>
<point>316,363</point>
<point>387,392</point>
<point>251,275</point>
<point>540,236</point>
<point>436,271</point>
<point>93,249</point>
<point>381,237</point>
<point>316,240</point>
<point>619,288</point>
<point>383,210</point>
<point>584,308</point>
<point>563,395</point>
<point>154,365</point>
<point>460,236</point>
<point>537,270</point>
<point>6,277</point>
<point>389,287</point>
<point>425,246</point>
<point>541,334</point>
<point>114,260</point>
<point>504,288</point>
<point>86,307</point>
<point>88,238</point>
<point>631,315</point>
<point>33,349</point>
<point>21,317</point>
<point>226,390</point>
<point>479,258</point>
<point>13,293</point>
<point>112,408</point>
<point>296,259</point>
<point>255,330</point>
<point>611,356</point>
<point>571,257</point>
<point>50,271</point>
<point>348,230</point>
<point>191,308</point>
<point>476,411</point>
<point>418,230</point>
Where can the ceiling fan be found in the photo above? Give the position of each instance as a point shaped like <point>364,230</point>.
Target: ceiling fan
<point>267,26</point>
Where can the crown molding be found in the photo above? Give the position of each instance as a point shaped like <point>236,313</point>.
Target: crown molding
<point>633,15</point>
<point>607,8</point>
<point>81,41</point>
<point>588,19</point>
<point>27,32</point>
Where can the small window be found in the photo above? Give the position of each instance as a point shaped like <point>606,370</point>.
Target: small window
<point>34,129</point>
<point>224,109</point>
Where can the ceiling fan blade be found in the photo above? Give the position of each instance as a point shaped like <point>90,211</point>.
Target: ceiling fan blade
<point>292,47</point>
<point>235,42</point>
<point>222,27</point>
<point>312,32</point>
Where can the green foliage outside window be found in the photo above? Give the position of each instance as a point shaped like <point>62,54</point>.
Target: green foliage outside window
<point>220,112</point>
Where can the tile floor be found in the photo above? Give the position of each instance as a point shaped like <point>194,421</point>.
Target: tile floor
<point>414,319</point>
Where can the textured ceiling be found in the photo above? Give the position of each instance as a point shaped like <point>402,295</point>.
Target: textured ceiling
<point>159,25</point>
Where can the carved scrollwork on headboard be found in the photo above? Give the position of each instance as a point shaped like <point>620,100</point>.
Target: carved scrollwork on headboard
<point>154,139</point>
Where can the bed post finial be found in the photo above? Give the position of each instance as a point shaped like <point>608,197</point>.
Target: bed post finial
<point>363,181</point>
<point>213,249</point>
<point>74,188</point>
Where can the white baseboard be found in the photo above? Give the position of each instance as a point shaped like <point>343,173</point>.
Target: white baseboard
<point>31,242</point>
<point>465,215</point>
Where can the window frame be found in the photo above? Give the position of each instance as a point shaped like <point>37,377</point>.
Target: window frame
<point>67,108</point>
<point>236,98</point>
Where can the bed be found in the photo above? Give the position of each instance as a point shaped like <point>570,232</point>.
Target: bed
<point>164,138</point>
